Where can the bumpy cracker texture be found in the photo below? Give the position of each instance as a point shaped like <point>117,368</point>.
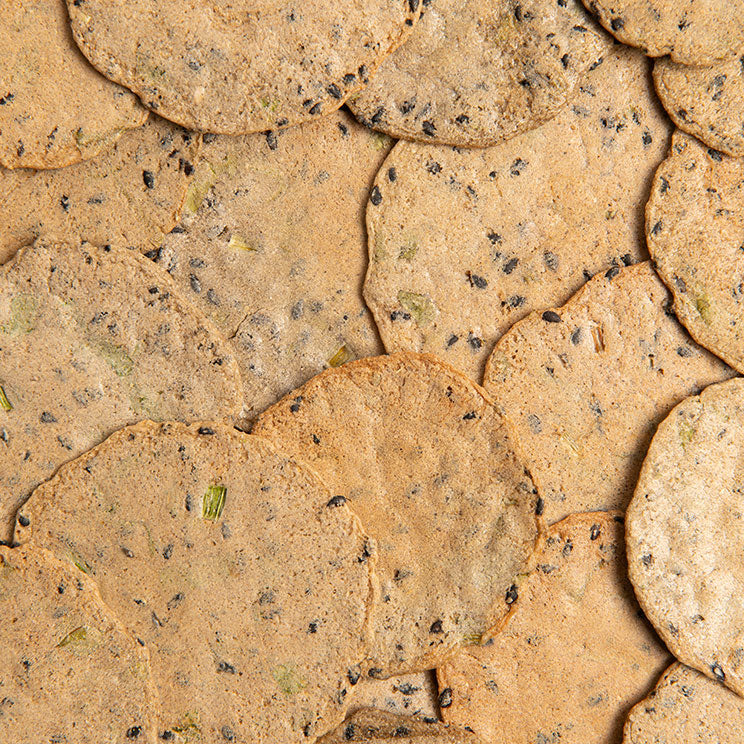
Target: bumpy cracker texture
<point>55,109</point>
<point>69,670</point>
<point>695,233</point>
<point>692,32</point>
<point>130,195</point>
<point>250,589</point>
<point>276,249</point>
<point>572,658</point>
<point>410,694</point>
<point>465,243</point>
<point>705,101</point>
<point>684,533</point>
<point>584,386</point>
<point>476,73</point>
<point>228,67</point>
<point>423,457</point>
<point>686,707</point>
<point>90,341</point>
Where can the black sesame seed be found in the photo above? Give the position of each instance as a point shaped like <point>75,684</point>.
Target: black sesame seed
<point>224,666</point>
<point>227,733</point>
<point>539,506</point>
<point>334,90</point>
<point>617,23</point>
<point>337,501</point>
<point>436,627</point>
<point>612,273</point>
<point>271,140</point>
<point>296,405</point>
<point>718,672</point>
<point>445,697</point>
<point>134,732</point>
<point>375,673</point>
<point>428,128</point>
<point>392,174</point>
<point>23,521</point>
<point>595,532</point>
<point>511,594</point>
<point>549,316</point>
<point>47,418</point>
<point>205,431</point>
<point>353,675</point>
<point>65,203</point>
<point>375,196</point>
<point>149,179</point>
<point>401,731</point>
<point>469,416</point>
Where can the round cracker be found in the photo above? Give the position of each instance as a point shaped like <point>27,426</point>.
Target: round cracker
<point>464,243</point>
<point>695,233</point>
<point>411,694</point>
<point>692,33</point>
<point>273,250</point>
<point>424,458</point>
<point>55,109</point>
<point>685,706</point>
<point>131,195</point>
<point>574,655</point>
<point>69,670</point>
<point>705,101</point>
<point>90,340</point>
<point>684,527</point>
<point>248,583</point>
<point>476,73</point>
<point>584,386</point>
<point>219,66</point>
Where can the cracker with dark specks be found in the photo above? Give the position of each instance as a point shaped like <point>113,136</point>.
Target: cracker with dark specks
<point>55,109</point>
<point>476,73</point>
<point>411,694</point>
<point>584,386</point>
<point>692,32</point>
<point>574,656</point>
<point>686,707</point>
<point>684,533</point>
<point>69,670</point>
<point>695,233</point>
<point>249,584</point>
<point>423,456</point>
<point>463,244</point>
<point>232,67</point>
<point>272,247</point>
<point>130,195</point>
<point>91,340</point>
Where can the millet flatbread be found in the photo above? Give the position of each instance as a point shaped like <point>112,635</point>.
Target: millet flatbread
<point>411,695</point>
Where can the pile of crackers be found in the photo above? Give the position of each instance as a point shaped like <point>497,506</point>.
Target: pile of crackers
<point>369,372</point>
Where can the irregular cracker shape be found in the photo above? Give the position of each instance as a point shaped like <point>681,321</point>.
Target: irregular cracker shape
<point>411,694</point>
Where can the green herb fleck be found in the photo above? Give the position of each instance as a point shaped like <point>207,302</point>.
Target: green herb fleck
<point>189,727</point>
<point>236,241</point>
<point>342,356</point>
<point>79,635</point>
<point>420,306</point>
<point>214,502</point>
<point>702,304</point>
<point>686,433</point>
<point>5,404</point>
<point>471,639</point>
<point>23,313</point>
<point>408,251</point>
<point>290,683</point>
<point>82,564</point>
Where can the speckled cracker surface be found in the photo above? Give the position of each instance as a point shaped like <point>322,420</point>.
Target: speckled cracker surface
<point>91,340</point>
<point>464,243</point>
<point>55,109</point>
<point>686,707</point>
<point>475,73</point>
<point>249,585</point>
<point>690,31</point>
<point>69,671</point>
<point>273,249</point>
<point>584,386</point>
<point>410,694</point>
<point>695,232</point>
<point>224,66</point>
<point>574,656</point>
<point>684,527</point>
<point>424,458</point>
<point>130,195</point>
<point>705,101</point>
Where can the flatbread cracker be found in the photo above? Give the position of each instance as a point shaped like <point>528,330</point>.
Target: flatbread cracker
<point>248,583</point>
<point>685,706</point>
<point>412,695</point>
<point>69,671</point>
<point>584,386</point>
<point>422,455</point>
<point>572,658</point>
<point>55,109</point>
<point>465,243</point>
<point>226,67</point>
<point>477,73</point>
<point>91,340</point>
<point>273,248</point>
<point>684,523</point>
<point>695,233</point>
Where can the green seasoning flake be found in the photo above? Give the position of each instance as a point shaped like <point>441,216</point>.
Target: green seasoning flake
<point>5,404</point>
<point>290,683</point>
<point>79,635</point>
<point>702,304</point>
<point>342,356</point>
<point>420,306</point>
<point>236,241</point>
<point>214,502</point>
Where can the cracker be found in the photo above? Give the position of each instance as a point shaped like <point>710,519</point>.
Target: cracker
<point>69,671</point>
<point>276,250</point>
<point>684,553</point>
<point>476,73</point>
<point>685,706</point>
<point>705,101</point>
<point>584,386</point>
<point>692,33</point>
<point>464,243</point>
<point>220,66</point>
<point>422,455</point>
<point>248,583</point>
<point>572,658</point>
<point>411,694</point>
<point>55,109</point>
<point>130,195</point>
<point>694,226</point>
<point>91,340</point>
